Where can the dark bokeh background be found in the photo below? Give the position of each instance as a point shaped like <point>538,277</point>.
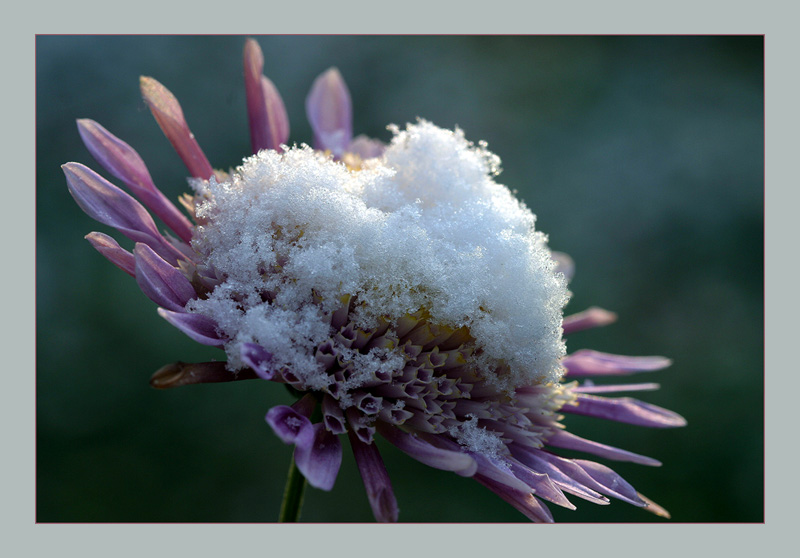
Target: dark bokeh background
<point>641,156</point>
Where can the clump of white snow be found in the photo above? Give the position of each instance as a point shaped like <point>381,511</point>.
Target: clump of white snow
<point>425,226</point>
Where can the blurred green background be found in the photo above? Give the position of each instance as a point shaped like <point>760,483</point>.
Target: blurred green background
<point>642,157</point>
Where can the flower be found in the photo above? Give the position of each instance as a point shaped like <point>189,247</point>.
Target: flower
<point>397,289</point>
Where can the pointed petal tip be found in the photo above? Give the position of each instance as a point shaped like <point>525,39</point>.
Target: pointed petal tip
<point>654,508</point>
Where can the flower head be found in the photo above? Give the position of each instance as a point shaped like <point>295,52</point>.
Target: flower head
<point>398,289</point>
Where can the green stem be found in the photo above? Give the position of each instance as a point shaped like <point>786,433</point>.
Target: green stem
<point>292,495</point>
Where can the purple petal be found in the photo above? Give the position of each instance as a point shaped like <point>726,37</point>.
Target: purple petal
<point>589,318</point>
<point>524,502</point>
<point>332,415</point>
<point>162,283</point>
<point>121,160</point>
<point>594,363</point>
<point>291,426</point>
<point>536,459</point>
<point>320,461</point>
<point>625,409</point>
<point>200,328</point>
<point>330,113</point>
<point>258,358</point>
<point>366,147</point>
<point>456,461</point>
<point>615,388</point>
<point>566,440</point>
<point>168,114</point>
<point>564,264</point>
<point>113,251</point>
<point>269,123</point>
<point>609,482</point>
<point>376,480</point>
<point>186,373</point>
<point>541,484</point>
<point>109,205</point>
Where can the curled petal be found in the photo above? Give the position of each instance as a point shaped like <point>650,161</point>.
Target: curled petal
<point>269,123</point>
<point>162,283</point>
<point>446,460</point>
<point>106,203</point>
<point>186,373</point>
<point>625,409</point>
<point>320,460</point>
<point>589,318</point>
<point>200,328</point>
<point>290,426</point>
<point>121,160</point>
<point>168,114</point>
<point>258,358</point>
<point>113,252</point>
<point>594,363</point>
<point>376,480</point>
<point>541,484</point>
<point>567,440</point>
<point>330,112</point>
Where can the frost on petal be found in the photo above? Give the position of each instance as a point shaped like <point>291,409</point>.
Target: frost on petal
<point>424,452</point>
<point>254,356</point>
<point>320,460</point>
<point>290,425</point>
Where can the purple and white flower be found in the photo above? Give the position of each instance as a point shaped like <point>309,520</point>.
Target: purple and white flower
<point>400,289</point>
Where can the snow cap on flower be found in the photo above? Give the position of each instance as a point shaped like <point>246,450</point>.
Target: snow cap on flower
<point>424,228</point>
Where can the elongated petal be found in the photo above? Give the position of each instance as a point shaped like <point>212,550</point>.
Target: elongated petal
<point>567,440</point>
<point>121,160</point>
<point>376,480</point>
<point>625,409</point>
<point>654,508</point>
<point>109,205</point>
<point>113,251</point>
<point>535,459</point>
<point>594,363</point>
<point>289,425</point>
<point>320,461</point>
<point>162,283</point>
<point>456,461</point>
<point>524,502</point>
<point>589,318</point>
<point>258,358</point>
<point>186,373</point>
<point>594,476</point>
<point>541,484</point>
<point>610,482</point>
<point>200,328</point>
<point>615,388</point>
<point>269,123</point>
<point>168,114</point>
<point>330,112</point>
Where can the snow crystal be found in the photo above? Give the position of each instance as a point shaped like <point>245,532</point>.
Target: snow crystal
<point>425,226</point>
